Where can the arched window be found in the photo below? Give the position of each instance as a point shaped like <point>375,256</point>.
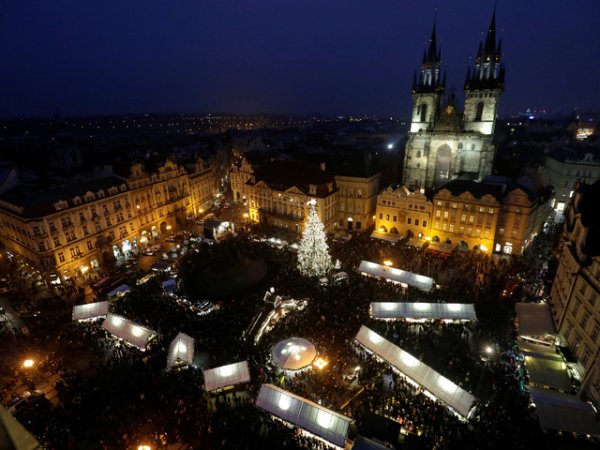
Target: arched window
<point>479,112</point>
<point>424,113</point>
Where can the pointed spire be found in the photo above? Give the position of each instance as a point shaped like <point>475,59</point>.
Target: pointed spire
<point>432,53</point>
<point>490,40</point>
<point>468,77</point>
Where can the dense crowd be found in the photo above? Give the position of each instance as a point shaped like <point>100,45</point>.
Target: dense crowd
<point>122,397</point>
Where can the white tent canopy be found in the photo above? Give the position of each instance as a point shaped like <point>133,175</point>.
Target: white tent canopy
<point>535,321</point>
<point>90,310</point>
<point>396,275</point>
<point>169,285</point>
<point>431,311</point>
<point>181,350</point>
<point>440,387</point>
<point>557,411</point>
<point>224,376</point>
<point>310,416</point>
<point>127,330</point>
<point>119,290</point>
<point>293,353</point>
<point>545,367</point>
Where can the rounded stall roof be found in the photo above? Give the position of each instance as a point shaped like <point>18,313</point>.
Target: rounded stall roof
<point>294,353</point>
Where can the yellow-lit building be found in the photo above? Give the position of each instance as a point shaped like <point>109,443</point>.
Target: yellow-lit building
<point>497,216</point>
<point>465,215</point>
<point>401,213</point>
<point>68,230</point>
<point>576,288</point>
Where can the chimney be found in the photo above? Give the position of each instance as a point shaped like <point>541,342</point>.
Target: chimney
<point>323,167</point>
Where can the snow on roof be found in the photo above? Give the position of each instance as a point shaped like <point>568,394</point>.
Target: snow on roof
<point>293,353</point>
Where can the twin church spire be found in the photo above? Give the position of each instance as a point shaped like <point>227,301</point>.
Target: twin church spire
<point>488,72</point>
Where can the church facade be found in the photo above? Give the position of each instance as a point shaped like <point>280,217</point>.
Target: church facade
<point>443,142</point>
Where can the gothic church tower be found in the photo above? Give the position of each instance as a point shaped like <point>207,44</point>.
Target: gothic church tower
<point>443,143</point>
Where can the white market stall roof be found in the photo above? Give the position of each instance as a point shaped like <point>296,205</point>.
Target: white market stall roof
<point>122,290</point>
<point>310,416</point>
<point>386,236</point>
<point>558,411</point>
<point>127,330</point>
<point>293,353</point>
<point>181,350</point>
<point>90,310</point>
<point>546,368</point>
<point>396,275</point>
<point>432,311</point>
<point>224,376</point>
<point>440,387</point>
<point>535,320</point>
<point>169,285</point>
<point>13,435</point>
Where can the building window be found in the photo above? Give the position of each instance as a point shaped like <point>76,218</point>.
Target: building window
<point>463,217</point>
<point>408,221</point>
<point>56,241</point>
<point>61,257</point>
<point>424,224</point>
<point>90,246</point>
<point>500,231</point>
<point>387,217</point>
<point>451,228</point>
<point>395,218</point>
<point>491,211</point>
<point>417,222</point>
<point>471,218</point>
<point>445,214</point>
<point>438,213</point>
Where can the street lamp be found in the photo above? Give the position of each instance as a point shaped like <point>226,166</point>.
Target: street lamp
<point>28,363</point>
<point>144,447</point>
<point>489,350</point>
<point>387,263</point>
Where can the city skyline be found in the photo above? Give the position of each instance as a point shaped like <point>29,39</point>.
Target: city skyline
<point>300,58</point>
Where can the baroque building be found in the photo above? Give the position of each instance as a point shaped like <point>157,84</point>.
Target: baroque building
<point>444,143</point>
<point>576,288</point>
<point>494,216</point>
<point>72,228</point>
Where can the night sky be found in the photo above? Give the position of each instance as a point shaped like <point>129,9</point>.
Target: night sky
<point>283,56</point>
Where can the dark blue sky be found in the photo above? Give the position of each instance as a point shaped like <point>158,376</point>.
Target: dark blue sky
<point>283,56</point>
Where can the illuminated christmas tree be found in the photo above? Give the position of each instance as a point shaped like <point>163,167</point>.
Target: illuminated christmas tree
<point>313,254</point>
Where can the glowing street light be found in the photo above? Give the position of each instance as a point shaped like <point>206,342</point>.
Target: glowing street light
<point>144,447</point>
<point>28,363</point>
<point>489,350</point>
<point>388,263</point>
<point>320,363</point>
<point>390,146</point>
<point>169,227</point>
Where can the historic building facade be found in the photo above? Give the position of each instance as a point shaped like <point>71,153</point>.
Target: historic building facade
<point>443,142</point>
<point>495,216</point>
<point>576,288</point>
<point>277,193</point>
<point>78,227</point>
<point>356,200</point>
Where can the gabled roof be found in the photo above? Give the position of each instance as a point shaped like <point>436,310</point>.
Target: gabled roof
<point>282,175</point>
<point>478,190</point>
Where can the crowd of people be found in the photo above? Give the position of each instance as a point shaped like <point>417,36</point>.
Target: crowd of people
<point>120,397</point>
